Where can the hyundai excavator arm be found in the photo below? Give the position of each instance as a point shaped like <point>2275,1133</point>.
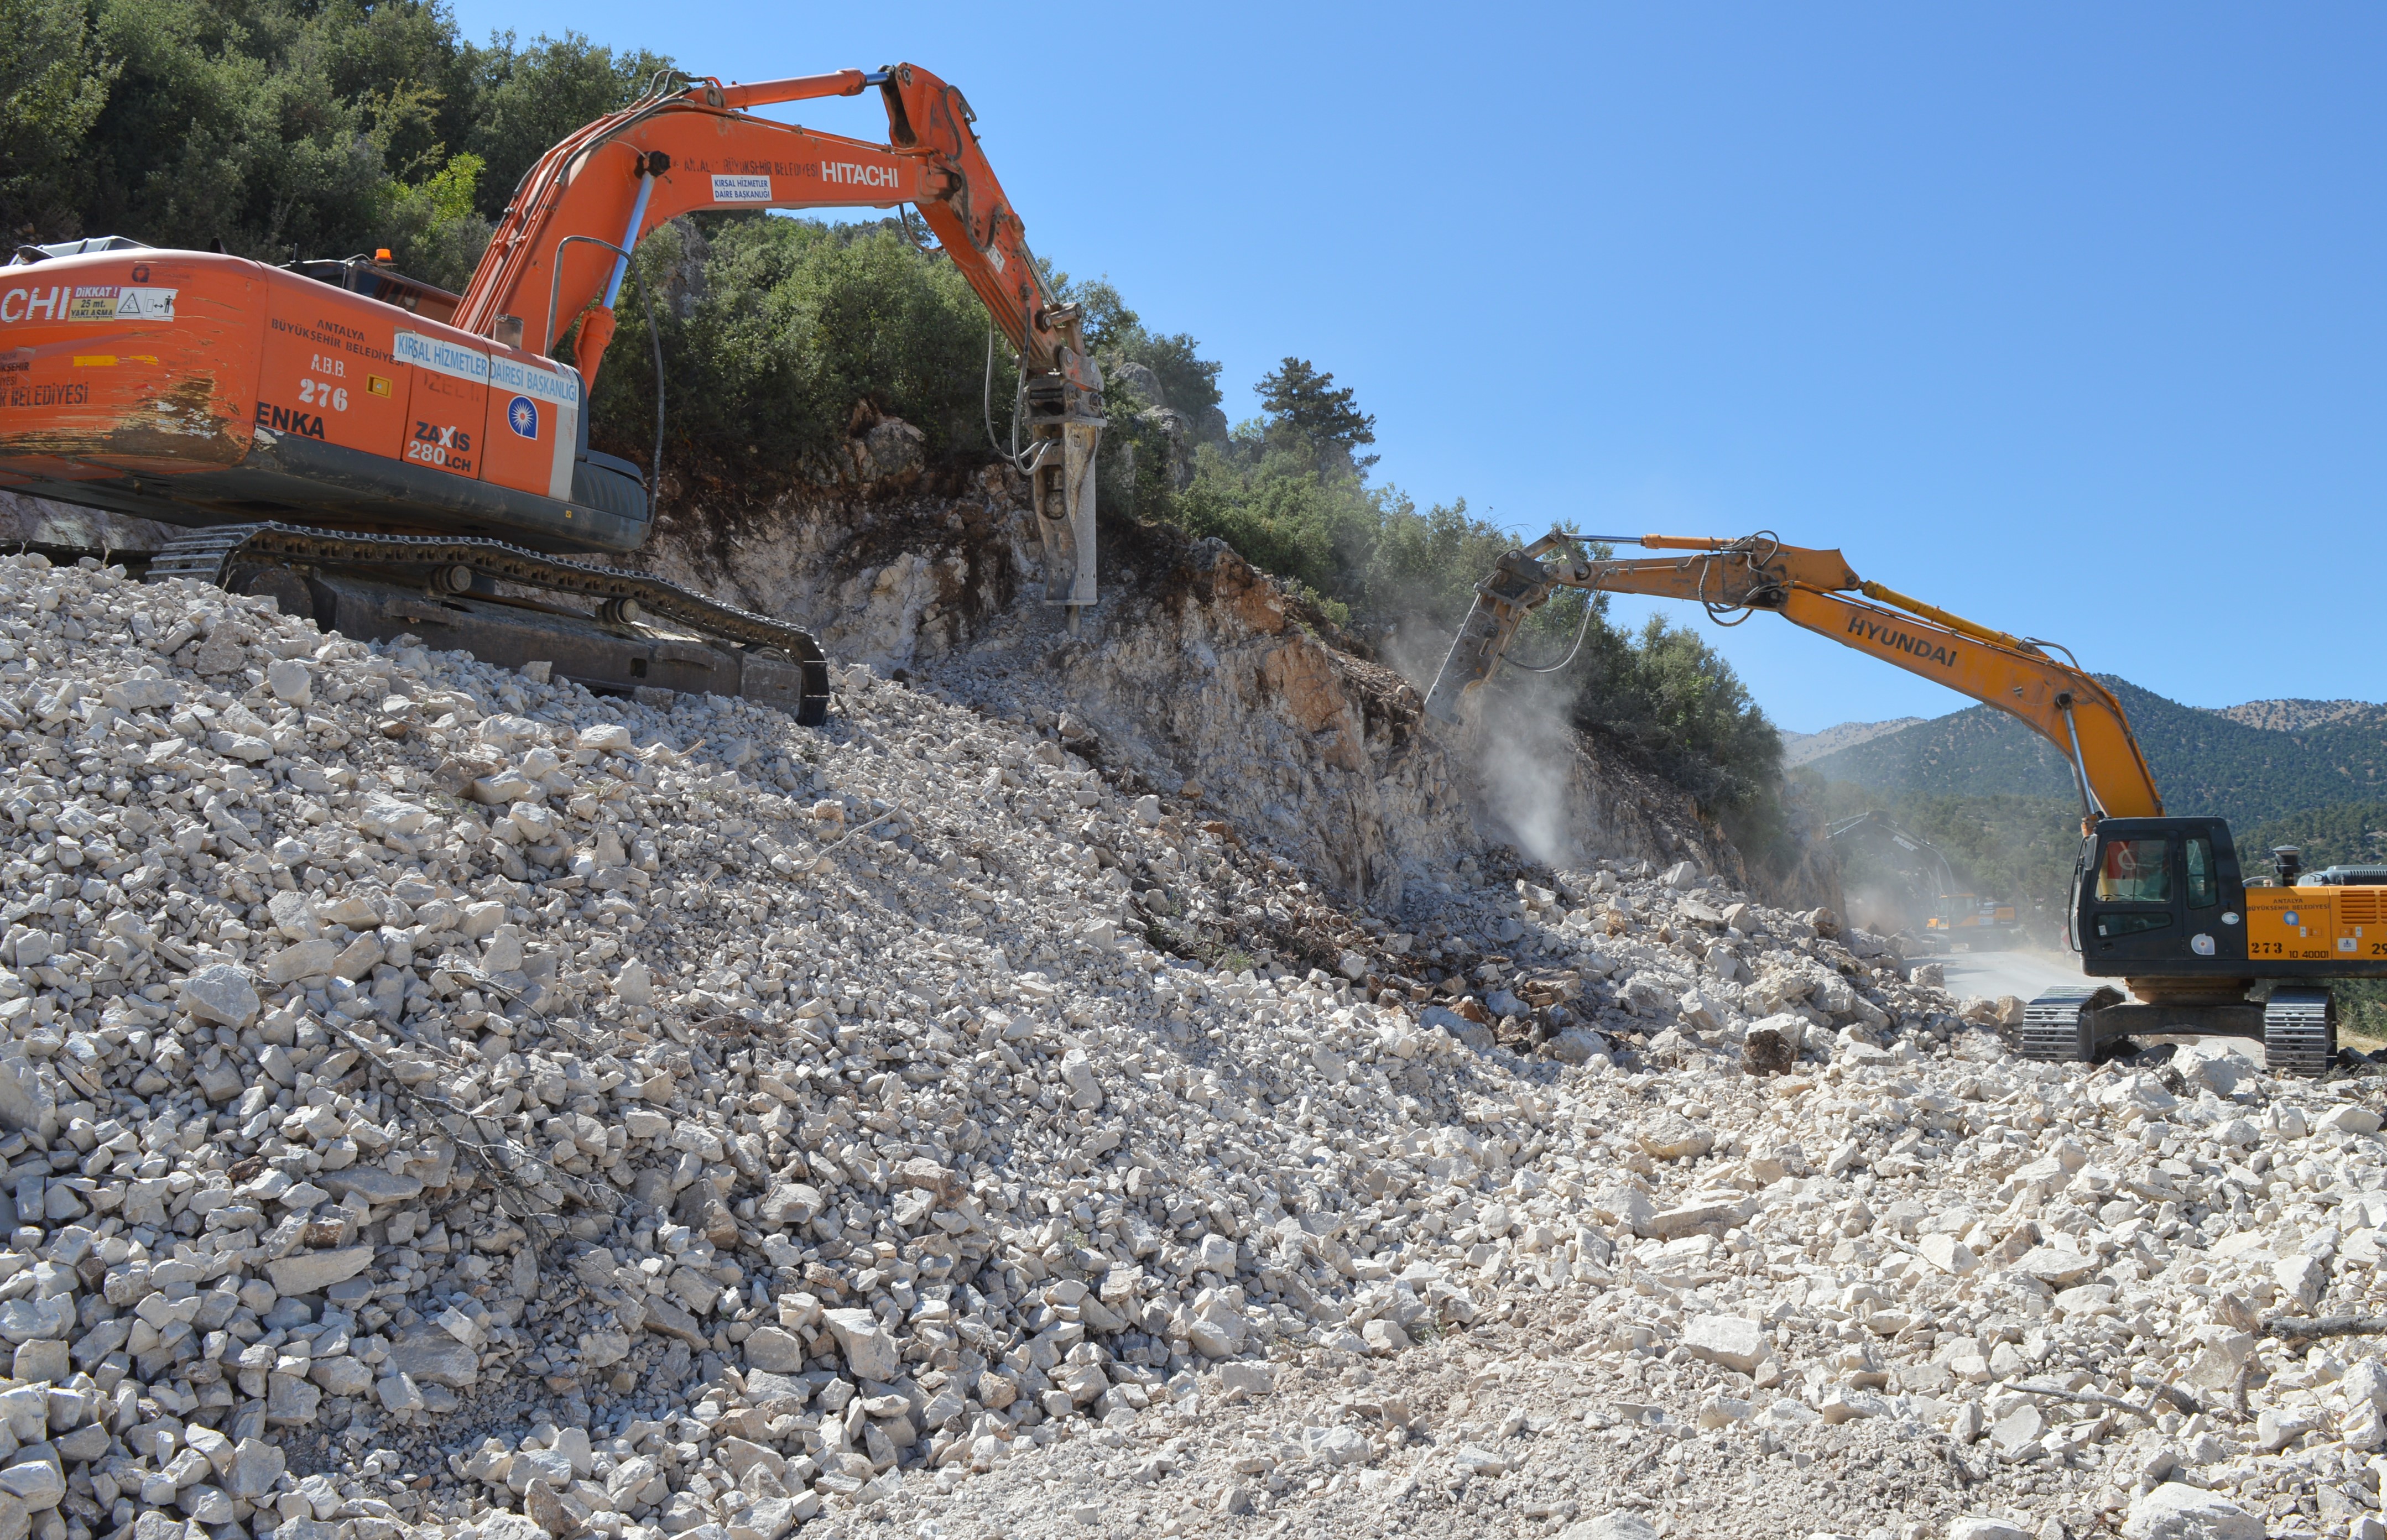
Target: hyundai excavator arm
<point>2060,700</point>
<point>562,250</point>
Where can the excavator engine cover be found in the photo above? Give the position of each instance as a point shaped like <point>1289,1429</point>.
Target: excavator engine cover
<point>196,389</point>
<point>384,449</point>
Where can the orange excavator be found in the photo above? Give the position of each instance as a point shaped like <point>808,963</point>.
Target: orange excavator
<point>390,458</point>
<point>2159,902</point>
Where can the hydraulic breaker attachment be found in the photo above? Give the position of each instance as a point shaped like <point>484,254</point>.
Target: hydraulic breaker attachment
<point>1065,423</point>
<point>1517,585</point>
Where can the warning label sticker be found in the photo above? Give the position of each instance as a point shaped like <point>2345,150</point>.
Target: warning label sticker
<point>108,302</point>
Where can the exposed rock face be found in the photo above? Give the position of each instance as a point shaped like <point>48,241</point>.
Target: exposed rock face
<point>893,581</point>
<point>1199,669</point>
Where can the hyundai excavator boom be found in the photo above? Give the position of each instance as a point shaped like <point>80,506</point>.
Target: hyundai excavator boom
<point>2160,901</point>
<point>392,458</point>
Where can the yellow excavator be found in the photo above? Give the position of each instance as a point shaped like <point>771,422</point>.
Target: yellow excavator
<point>2158,902</point>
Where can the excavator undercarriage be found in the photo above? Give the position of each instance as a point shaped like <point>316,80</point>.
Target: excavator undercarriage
<point>2297,1026</point>
<point>496,601</point>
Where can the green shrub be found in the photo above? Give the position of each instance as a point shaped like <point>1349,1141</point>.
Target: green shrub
<point>774,331</point>
<point>54,83</point>
<point>432,229</point>
<point>526,97</point>
<point>1188,382</point>
<point>1670,700</point>
<point>278,129</point>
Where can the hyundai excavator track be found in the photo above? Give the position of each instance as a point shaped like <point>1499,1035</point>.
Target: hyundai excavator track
<point>444,590</point>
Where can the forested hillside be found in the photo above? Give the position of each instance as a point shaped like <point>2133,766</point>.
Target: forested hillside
<point>2350,833</point>
<point>277,129</point>
<point>2204,761</point>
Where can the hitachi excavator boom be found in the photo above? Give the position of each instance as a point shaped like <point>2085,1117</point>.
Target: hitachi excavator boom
<point>391,458</point>
<point>2159,902</point>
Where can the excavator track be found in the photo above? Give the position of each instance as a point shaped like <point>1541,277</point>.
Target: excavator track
<point>789,659</point>
<point>2300,1031</point>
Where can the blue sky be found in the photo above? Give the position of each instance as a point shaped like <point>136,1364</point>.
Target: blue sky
<point>2065,318</point>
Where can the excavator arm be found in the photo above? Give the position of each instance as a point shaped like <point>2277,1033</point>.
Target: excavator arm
<point>1811,588</point>
<point>562,250</point>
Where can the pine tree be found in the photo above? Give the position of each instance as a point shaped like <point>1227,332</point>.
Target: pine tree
<point>1304,402</point>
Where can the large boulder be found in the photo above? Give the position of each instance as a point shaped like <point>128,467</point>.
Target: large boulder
<point>1134,379</point>
<point>2176,1511</point>
<point>221,992</point>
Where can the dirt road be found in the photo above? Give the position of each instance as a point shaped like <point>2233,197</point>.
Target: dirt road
<point>2026,974</point>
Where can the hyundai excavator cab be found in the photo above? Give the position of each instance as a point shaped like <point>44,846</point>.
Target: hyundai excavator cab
<point>392,458</point>
<point>2160,904</point>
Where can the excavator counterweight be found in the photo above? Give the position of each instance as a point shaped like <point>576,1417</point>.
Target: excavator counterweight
<point>2158,902</point>
<point>392,459</point>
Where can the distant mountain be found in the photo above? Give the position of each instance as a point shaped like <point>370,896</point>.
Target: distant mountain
<point>2296,716</point>
<point>1800,748</point>
<point>2350,833</point>
<point>2204,761</point>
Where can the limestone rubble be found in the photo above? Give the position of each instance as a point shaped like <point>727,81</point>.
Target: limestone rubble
<point>440,1101</point>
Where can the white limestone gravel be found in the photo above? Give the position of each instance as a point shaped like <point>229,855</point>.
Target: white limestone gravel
<point>437,1100</point>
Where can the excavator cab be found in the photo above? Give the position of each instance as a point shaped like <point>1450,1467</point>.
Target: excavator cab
<point>2160,890</point>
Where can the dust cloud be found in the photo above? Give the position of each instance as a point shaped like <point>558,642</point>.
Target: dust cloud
<point>1880,908</point>
<point>1523,754</point>
<point>1515,745</point>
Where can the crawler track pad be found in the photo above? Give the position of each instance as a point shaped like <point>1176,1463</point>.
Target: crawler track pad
<point>610,660</point>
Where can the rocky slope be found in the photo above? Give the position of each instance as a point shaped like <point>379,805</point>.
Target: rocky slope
<point>2296,716</point>
<point>440,1102</point>
<point>1197,670</point>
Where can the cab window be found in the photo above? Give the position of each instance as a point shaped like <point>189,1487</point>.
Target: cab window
<point>2204,885</point>
<point>2136,871</point>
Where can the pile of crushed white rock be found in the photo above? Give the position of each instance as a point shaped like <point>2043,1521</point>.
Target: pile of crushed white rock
<point>438,1100</point>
